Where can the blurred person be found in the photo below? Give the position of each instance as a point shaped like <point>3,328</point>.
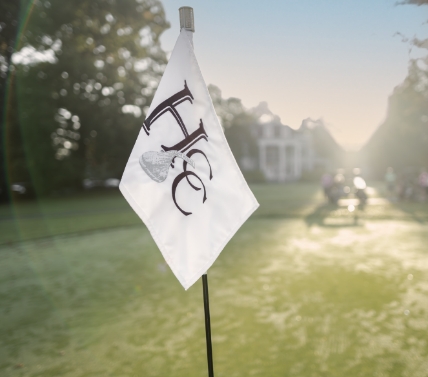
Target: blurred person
<point>360,186</point>
<point>326,183</point>
<point>406,186</point>
<point>423,183</point>
<point>390,180</point>
<point>339,178</point>
<point>336,190</point>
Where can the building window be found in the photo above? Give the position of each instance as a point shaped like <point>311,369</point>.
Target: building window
<point>289,160</point>
<point>272,157</point>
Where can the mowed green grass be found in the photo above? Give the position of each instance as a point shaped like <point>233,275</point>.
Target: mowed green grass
<point>303,289</point>
<point>107,210</point>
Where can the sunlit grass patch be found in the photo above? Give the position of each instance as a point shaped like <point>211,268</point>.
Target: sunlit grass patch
<point>311,294</point>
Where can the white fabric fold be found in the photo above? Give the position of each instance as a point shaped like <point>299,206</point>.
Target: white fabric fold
<point>191,212</point>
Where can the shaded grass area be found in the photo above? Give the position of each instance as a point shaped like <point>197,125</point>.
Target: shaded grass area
<point>303,289</point>
<point>105,210</point>
<point>49,217</point>
<point>92,211</point>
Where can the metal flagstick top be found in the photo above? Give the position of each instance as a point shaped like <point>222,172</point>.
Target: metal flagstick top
<point>187,22</point>
<point>186,19</point>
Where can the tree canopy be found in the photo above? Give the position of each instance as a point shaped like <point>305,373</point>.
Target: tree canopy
<point>402,140</point>
<point>83,72</point>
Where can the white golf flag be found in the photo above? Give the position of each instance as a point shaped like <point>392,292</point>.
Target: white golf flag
<point>181,178</point>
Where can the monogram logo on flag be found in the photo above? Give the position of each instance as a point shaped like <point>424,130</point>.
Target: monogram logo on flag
<point>156,164</point>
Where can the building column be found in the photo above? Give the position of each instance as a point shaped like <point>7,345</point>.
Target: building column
<point>282,173</point>
<point>298,160</point>
<point>262,158</point>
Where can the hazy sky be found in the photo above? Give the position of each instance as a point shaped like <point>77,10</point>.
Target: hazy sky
<point>335,59</point>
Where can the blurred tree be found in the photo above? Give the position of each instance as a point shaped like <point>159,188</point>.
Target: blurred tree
<point>323,145</point>
<point>237,122</point>
<point>402,140</point>
<point>416,2</point>
<point>227,109</point>
<point>86,71</point>
<point>9,20</point>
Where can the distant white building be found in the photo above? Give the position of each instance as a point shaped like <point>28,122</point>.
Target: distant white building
<point>285,154</point>
<point>280,152</point>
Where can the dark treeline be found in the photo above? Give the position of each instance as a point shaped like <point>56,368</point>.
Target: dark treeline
<point>9,22</point>
<point>402,140</point>
<point>77,78</point>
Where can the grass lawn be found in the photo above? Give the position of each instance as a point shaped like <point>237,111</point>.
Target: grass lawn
<point>106,210</point>
<point>303,289</point>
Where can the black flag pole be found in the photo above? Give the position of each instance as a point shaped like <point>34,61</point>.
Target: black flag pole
<point>208,325</point>
<point>187,22</point>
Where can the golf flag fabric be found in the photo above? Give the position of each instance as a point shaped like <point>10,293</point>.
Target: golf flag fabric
<point>181,177</point>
